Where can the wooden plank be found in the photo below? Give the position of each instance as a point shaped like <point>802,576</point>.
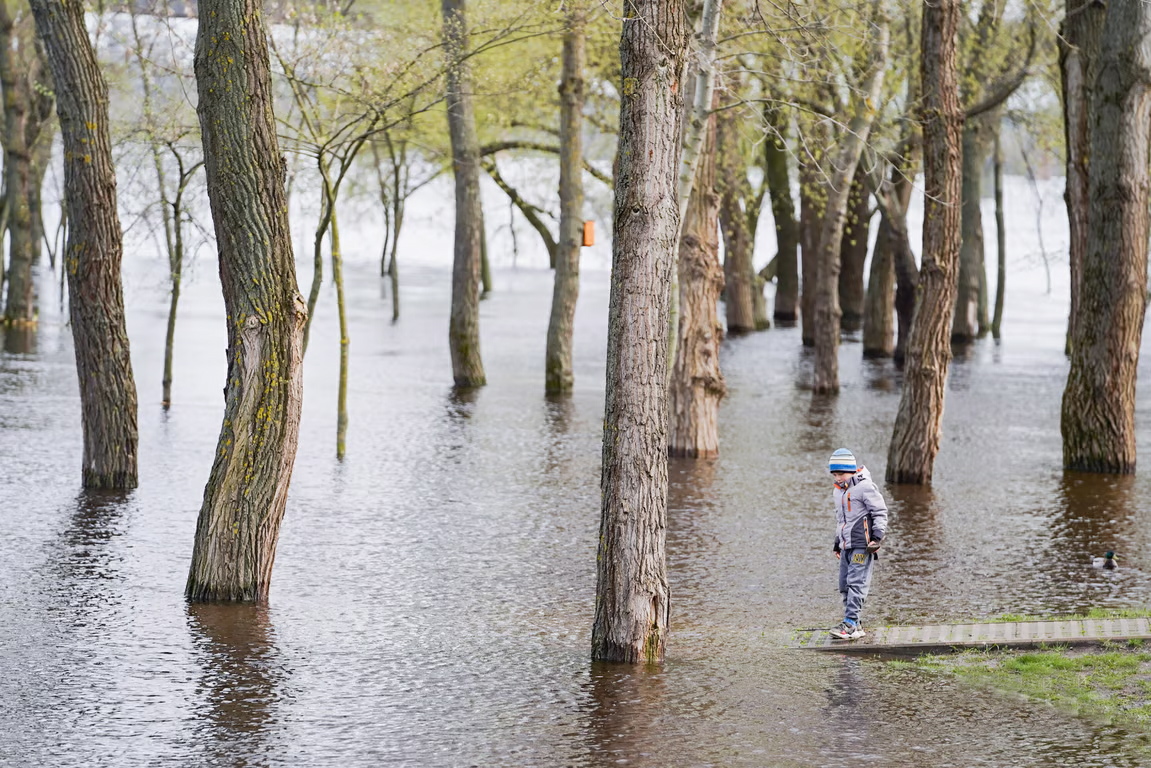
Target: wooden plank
<point>916,640</point>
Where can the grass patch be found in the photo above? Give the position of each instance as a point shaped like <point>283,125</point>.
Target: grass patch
<point>1112,684</point>
<point>1094,613</point>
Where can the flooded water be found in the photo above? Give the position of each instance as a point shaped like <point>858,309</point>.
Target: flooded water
<point>433,593</point>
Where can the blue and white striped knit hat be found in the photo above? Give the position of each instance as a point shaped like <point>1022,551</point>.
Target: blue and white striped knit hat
<point>842,461</point>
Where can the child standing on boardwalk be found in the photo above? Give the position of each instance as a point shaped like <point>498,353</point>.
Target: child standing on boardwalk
<point>861,524</point>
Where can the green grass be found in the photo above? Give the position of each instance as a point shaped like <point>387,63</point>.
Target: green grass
<point>1094,613</point>
<point>1111,684</point>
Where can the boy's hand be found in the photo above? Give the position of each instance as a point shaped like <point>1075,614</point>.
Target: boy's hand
<point>872,547</point>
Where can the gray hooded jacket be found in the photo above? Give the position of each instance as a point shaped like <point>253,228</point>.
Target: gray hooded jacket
<point>860,511</point>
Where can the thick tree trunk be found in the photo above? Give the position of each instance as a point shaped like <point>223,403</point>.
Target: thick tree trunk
<point>464,327</point>
<point>853,255</point>
<point>1078,61</point>
<point>558,374</point>
<point>778,180</point>
<point>632,600</point>
<point>697,385</point>
<point>1098,423</point>
<point>919,421</point>
<point>733,186</point>
<point>94,250</point>
<point>247,490</point>
<point>844,164</point>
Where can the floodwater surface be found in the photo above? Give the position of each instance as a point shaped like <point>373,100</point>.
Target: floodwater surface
<point>433,593</point>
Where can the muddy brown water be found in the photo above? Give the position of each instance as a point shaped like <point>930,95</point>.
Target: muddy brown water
<point>433,593</point>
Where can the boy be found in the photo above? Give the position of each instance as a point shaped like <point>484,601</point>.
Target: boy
<point>861,518</point>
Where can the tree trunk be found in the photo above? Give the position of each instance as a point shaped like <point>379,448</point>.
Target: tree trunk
<point>778,180</point>
<point>632,600</point>
<point>919,421</point>
<point>558,373</point>
<point>464,327</point>
<point>697,384</point>
<point>972,268</point>
<point>1000,242</point>
<point>247,490</point>
<point>15,82</point>
<point>844,164</point>
<point>1098,423</point>
<point>878,317</point>
<point>739,272</point>
<point>906,281</point>
<point>1082,31</point>
<point>345,339</point>
<point>696,125</point>
<point>853,255</point>
<point>810,216</point>
<point>94,250</point>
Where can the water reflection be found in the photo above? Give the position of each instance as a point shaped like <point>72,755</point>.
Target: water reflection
<point>621,719</point>
<point>85,558</point>
<point>241,682</point>
<point>20,340</point>
<point>849,714</point>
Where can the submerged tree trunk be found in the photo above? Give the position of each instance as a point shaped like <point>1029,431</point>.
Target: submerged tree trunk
<point>558,374</point>
<point>778,180</point>
<point>464,327</point>
<point>853,255</point>
<point>1098,422</point>
<point>844,164</point>
<point>878,317</point>
<point>738,270</point>
<point>20,71</point>
<point>697,385</point>
<point>1078,62</point>
<point>239,523</point>
<point>1000,242</point>
<point>94,250</point>
<point>919,421</point>
<point>971,284</point>
<point>632,600</point>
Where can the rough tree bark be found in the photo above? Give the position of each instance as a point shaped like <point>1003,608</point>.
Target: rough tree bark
<point>558,375</point>
<point>697,385</point>
<point>244,500</point>
<point>1082,31</point>
<point>631,612</point>
<point>919,421</point>
<point>464,326</point>
<point>94,249</point>
<point>1098,423</point>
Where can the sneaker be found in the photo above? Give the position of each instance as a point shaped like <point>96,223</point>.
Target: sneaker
<point>848,631</point>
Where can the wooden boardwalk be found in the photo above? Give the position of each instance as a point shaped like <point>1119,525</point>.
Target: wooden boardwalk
<point>912,641</point>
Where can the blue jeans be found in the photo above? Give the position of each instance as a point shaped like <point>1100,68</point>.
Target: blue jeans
<point>854,581</point>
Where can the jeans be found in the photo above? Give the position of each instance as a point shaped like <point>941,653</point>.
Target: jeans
<point>854,581</point>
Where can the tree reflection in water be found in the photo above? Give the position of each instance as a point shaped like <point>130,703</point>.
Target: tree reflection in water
<point>242,681</point>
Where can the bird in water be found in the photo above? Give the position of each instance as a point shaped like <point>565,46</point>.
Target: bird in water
<point>1108,561</point>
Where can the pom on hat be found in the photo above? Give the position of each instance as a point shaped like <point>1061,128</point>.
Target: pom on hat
<point>842,461</point>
